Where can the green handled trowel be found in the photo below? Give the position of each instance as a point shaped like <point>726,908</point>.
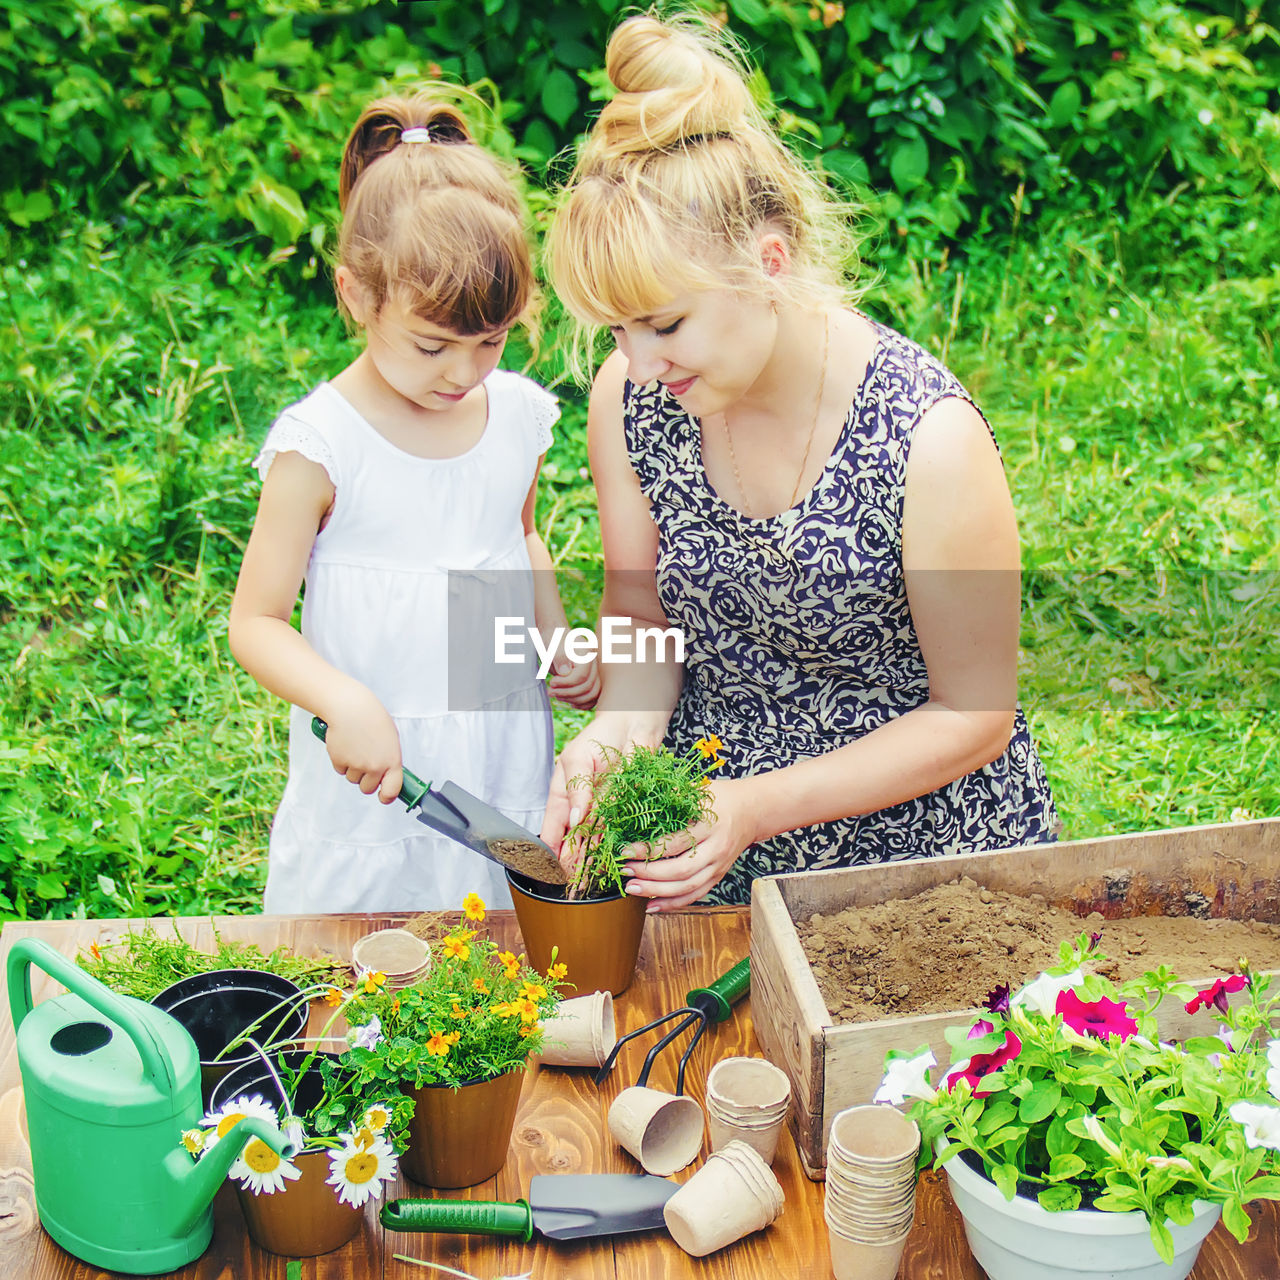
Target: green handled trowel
<point>465,818</point>
<point>561,1206</point>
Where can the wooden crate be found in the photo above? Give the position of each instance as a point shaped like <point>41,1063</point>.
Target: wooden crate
<point>1230,871</point>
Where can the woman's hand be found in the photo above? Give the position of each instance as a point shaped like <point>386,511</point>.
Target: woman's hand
<point>582,758</point>
<point>693,862</point>
<point>364,745</point>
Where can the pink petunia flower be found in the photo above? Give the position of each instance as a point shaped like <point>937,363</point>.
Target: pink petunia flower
<point>979,1029</point>
<point>1098,1018</point>
<point>985,1064</point>
<point>1216,995</point>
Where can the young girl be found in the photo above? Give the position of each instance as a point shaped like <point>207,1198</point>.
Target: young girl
<point>403,490</point>
<point>812,498</point>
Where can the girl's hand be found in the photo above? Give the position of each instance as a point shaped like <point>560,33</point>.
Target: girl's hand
<point>364,746</point>
<point>576,684</point>
<point>693,862</point>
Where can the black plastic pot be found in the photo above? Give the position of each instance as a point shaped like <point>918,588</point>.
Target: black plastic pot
<point>217,1007</point>
<point>254,1077</point>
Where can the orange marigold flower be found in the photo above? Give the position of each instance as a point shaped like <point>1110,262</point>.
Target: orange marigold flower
<point>333,996</point>
<point>458,1011</point>
<point>473,906</point>
<point>506,957</point>
<point>512,970</point>
<point>532,991</point>
<point>95,951</point>
<point>558,972</point>
<point>480,985</point>
<point>438,1045</point>
<point>395,1004</point>
<point>505,1009</point>
<point>529,1029</point>
<point>709,747</point>
<point>527,1010</point>
<point>454,946</point>
<point>453,1037</point>
<point>373,980</point>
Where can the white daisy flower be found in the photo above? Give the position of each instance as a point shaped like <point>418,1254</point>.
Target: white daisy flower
<point>377,1117</point>
<point>220,1122</point>
<point>358,1171</point>
<point>261,1170</point>
<point>193,1140</point>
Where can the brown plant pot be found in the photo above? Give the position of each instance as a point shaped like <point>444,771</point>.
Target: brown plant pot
<point>306,1218</point>
<point>460,1137</point>
<point>598,938</point>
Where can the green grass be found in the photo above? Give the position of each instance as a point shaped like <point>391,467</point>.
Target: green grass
<point>1128,366</point>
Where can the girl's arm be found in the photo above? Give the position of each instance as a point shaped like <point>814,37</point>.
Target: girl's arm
<point>362,741</point>
<point>576,684</point>
<point>961,563</point>
<point>636,698</point>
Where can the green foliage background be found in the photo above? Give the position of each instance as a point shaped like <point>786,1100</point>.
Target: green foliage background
<point>1074,204</point>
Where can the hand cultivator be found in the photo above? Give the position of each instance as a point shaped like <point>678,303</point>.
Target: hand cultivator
<point>704,1006</point>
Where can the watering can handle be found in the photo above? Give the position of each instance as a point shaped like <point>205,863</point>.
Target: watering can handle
<point>32,951</point>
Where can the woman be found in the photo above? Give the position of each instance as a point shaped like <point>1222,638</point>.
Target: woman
<point>810,497</point>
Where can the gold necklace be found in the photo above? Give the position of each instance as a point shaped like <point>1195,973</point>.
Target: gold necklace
<point>808,444</point>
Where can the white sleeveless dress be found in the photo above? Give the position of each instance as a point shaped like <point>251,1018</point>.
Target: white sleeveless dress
<point>408,539</point>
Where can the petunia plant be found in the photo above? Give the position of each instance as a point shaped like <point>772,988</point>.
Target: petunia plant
<point>643,797</point>
<point>1066,1092</point>
<point>478,1012</point>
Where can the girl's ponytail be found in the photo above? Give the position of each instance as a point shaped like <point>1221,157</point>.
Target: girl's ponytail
<point>381,129</point>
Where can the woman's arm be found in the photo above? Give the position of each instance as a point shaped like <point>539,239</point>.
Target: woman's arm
<point>362,741</point>
<point>961,564</point>
<point>636,698</point>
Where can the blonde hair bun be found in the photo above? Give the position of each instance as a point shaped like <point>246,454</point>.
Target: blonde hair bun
<point>674,83</point>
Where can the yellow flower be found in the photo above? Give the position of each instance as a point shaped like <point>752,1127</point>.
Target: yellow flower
<point>527,1010</point>
<point>715,764</point>
<point>480,985</point>
<point>438,1045</point>
<point>95,951</point>
<point>395,1004</point>
<point>504,1009</point>
<point>506,957</point>
<point>454,946</point>
<point>457,1011</point>
<point>709,746</point>
<point>333,996</point>
<point>372,980</point>
<point>529,1029</point>
<point>193,1140</point>
<point>473,905</point>
<point>532,991</point>
<point>558,972</point>
<point>453,1037</point>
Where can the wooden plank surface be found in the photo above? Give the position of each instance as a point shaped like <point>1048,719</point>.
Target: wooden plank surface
<point>560,1128</point>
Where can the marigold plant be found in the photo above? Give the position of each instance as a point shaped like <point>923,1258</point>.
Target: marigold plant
<point>476,1013</point>
<point>1065,1091</point>
<point>643,797</point>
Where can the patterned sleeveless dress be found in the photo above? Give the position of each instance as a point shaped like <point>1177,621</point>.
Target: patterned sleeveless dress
<point>798,635</point>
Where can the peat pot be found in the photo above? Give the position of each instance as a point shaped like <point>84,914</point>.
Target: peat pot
<point>1018,1240</point>
<point>217,1007</point>
<point>459,1137</point>
<point>306,1218</point>
<point>598,939</point>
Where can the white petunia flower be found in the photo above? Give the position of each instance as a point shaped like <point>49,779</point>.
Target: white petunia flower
<point>261,1170</point>
<point>358,1170</point>
<point>1041,996</point>
<point>1261,1124</point>
<point>906,1078</point>
<point>220,1122</point>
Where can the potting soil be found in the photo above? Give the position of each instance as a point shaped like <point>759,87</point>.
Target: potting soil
<point>948,947</point>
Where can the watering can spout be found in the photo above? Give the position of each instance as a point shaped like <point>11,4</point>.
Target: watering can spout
<point>196,1185</point>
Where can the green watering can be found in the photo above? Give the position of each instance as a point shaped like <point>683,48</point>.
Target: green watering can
<point>110,1085</point>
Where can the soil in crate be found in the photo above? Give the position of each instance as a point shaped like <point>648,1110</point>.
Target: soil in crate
<point>946,948</point>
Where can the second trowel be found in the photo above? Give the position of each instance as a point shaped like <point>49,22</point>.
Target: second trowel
<point>465,818</point>
<point>561,1206</point>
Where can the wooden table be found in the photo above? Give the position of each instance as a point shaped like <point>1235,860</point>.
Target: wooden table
<point>560,1128</point>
